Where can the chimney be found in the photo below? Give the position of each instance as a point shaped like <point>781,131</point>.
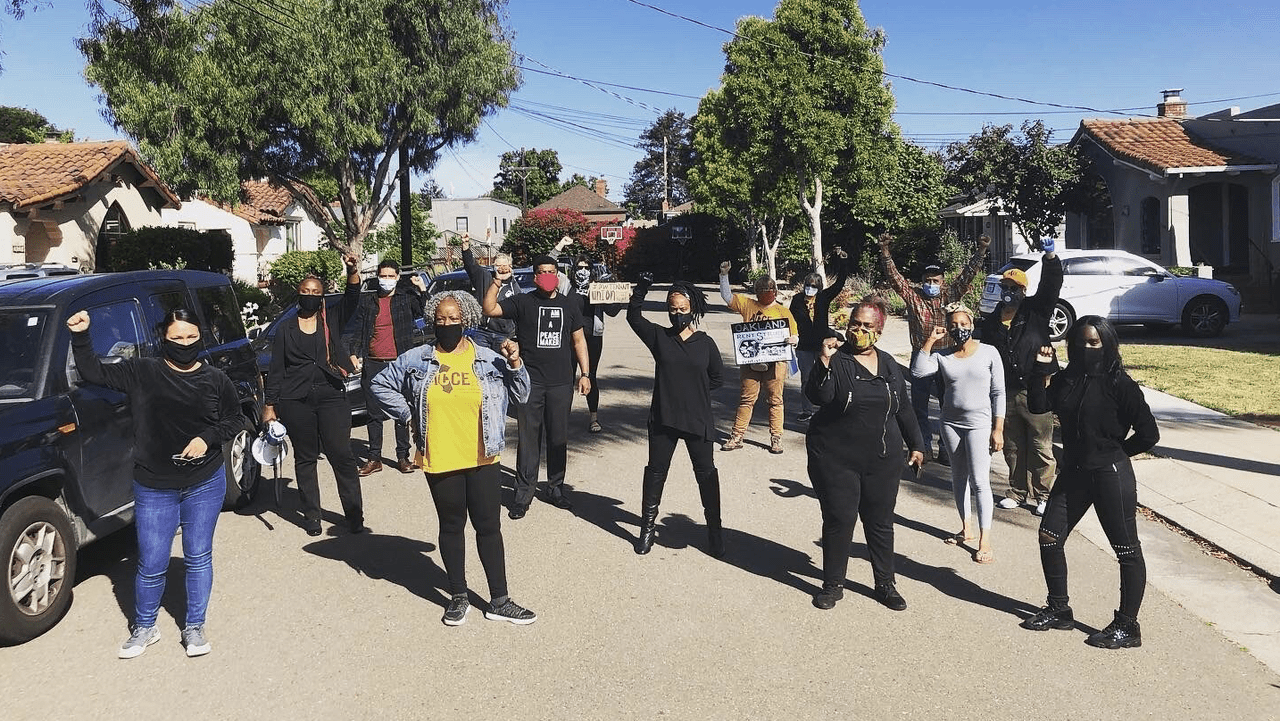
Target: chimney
<point>1173,106</point>
<point>602,187</point>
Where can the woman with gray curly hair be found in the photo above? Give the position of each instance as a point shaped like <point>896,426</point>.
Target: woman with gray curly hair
<point>456,393</point>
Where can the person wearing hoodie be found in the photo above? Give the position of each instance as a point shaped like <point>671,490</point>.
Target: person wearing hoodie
<point>811,309</point>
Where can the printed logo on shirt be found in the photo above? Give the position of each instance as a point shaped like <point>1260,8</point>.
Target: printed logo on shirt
<point>550,327</point>
<point>448,379</point>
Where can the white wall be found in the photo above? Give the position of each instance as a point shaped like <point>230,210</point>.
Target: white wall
<point>69,234</point>
<point>480,214</point>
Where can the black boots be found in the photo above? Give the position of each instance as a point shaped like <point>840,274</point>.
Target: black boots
<point>827,597</point>
<point>650,497</point>
<point>1124,632</point>
<point>709,490</point>
<point>888,596</point>
<point>1056,615</point>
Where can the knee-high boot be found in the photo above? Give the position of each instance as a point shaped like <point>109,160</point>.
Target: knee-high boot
<point>709,489</point>
<point>650,497</point>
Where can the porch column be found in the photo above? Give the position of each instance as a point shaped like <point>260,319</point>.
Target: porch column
<point>1180,228</point>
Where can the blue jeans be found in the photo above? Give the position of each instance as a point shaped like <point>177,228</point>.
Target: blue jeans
<point>921,389</point>
<point>157,513</point>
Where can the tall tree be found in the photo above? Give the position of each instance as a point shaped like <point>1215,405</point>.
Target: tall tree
<point>1031,179</point>
<point>316,95</point>
<point>540,179</point>
<point>385,242</point>
<point>21,125</point>
<point>643,194</point>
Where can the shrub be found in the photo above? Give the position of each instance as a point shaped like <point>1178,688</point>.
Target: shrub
<point>246,294</point>
<point>291,268</point>
<point>168,247</point>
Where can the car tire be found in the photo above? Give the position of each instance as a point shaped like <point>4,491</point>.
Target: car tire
<point>1060,321</point>
<point>40,549</point>
<point>1204,317</point>
<point>242,469</point>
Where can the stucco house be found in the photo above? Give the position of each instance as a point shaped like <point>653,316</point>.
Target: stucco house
<point>1187,191</point>
<point>972,219</point>
<point>593,204</point>
<point>62,202</point>
<point>455,216</point>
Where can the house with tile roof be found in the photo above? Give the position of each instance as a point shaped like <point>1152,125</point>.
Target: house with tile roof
<point>1186,191</point>
<point>593,204</point>
<point>65,202</point>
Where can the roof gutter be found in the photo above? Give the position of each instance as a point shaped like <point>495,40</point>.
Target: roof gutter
<point>1200,170</point>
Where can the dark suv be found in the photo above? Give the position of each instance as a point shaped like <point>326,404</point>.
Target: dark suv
<point>67,446</point>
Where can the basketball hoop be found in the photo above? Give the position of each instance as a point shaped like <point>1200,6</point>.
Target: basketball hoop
<point>611,233</point>
<point>681,233</point>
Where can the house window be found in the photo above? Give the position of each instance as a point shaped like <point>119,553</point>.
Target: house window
<point>292,235</point>
<point>495,226</point>
<point>114,225</point>
<point>504,226</point>
<point>460,224</point>
<point>187,224</point>
<point>1150,226</point>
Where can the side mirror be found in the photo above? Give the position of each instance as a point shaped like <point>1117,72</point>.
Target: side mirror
<point>1155,275</point>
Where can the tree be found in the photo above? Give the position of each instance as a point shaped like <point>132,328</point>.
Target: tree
<point>1031,180</point>
<point>541,183</point>
<point>431,190</point>
<point>579,179</point>
<point>643,194</point>
<point>539,231</point>
<point>804,97</point>
<point>316,95</point>
<point>385,243</point>
<point>21,125</point>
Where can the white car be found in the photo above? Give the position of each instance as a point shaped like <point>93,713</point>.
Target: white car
<point>1125,289</point>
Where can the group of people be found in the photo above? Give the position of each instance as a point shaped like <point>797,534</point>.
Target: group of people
<point>496,346</point>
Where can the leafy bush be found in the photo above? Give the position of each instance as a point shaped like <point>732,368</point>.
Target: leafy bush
<point>167,247</point>
<point>246,293</point>
<point>1182,271</point>
<point>293,267</point>
<point>539,231</point>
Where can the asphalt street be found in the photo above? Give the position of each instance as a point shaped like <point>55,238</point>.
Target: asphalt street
<point>349,626</point>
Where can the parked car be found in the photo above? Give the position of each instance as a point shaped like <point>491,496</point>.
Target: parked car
<point>35,270</point>
<point>1126,289</point>
<point>67,445</point>
<point>459,280</point>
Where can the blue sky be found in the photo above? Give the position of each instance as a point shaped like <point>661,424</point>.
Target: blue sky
<point>1092,53</point>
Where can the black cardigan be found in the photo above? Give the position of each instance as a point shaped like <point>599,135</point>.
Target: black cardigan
<point>1097,412</point>
<point>293,365</point>
<point>813,330</point>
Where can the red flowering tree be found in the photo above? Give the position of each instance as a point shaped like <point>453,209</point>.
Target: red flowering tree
<point>539,231</point>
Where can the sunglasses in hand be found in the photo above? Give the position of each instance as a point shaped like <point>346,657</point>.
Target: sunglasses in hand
<point>181,460</point>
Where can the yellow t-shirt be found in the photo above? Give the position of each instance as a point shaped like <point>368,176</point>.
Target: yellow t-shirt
<point>751,309</point>
<point>454,438</point>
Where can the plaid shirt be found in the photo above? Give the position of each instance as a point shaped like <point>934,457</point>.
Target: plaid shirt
<point>924,314</point>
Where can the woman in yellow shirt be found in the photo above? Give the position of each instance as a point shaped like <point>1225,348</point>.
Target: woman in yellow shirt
<point>456,393</point>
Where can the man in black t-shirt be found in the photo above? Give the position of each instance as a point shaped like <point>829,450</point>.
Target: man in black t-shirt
<point>549,331</point>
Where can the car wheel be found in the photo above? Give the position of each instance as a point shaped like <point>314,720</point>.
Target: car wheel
<point>243,472</point>
<point>1060,321</point>
<point>38,543</point>
<point>1204,317</point>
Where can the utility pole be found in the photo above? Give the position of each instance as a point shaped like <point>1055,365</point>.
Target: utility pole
<point>523,171</point>
<point>666,196</point>
<point>406,209</point>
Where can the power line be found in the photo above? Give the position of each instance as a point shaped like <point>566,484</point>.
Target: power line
<point>612,85</point>
<point>588,83</point>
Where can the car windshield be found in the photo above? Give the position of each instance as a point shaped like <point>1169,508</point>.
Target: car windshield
<point>21,332</point>
<point>1023,264</point>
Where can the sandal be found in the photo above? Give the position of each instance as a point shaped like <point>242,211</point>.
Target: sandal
<point>594,427</point>
<point>983,557</point>
<point>957,539</point>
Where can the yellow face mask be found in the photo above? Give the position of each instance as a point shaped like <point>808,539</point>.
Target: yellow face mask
<point>863,338</point>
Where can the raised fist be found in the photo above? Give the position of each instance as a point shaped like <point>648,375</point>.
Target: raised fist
<point>510,350</point>
<point>646,278</point>
<point>353,263</point>
<point>1045,355</point>
<point>937,334</point>
<point>565,242</point>
<point>884,241</point>
<point>79,322</point>
<point>466,241</point>
<point>724,267</point>
<point>984,241</point>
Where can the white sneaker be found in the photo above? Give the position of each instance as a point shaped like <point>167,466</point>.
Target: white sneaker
<point>1040,508</point>
<point>1008,503</point>
<point>138,641</point>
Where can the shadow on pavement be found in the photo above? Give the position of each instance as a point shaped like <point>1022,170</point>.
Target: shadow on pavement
<point>753,554</point>
<point>116,558</point>
<point>399,560</point>
<point>1214,459</point>
<point>606,514</point>
<point>786,488</point>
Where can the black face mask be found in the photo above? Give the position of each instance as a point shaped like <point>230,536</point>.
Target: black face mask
<point>448,336</point>
<point>1092,360</point>
<point>310,303</point>
<point>680,320</point>
<point>961,335</point>
<point>1012,296</point>
<point>179,354</point>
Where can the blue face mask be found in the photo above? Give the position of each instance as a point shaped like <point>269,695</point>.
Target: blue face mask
<point>931,290</point>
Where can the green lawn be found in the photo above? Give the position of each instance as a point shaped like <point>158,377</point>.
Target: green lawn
<point>1239,383</point>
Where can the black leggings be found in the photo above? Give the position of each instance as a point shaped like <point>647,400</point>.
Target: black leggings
<point>478,492</point>
<point>322,420</point>
<point>662,446</point>
<point>1112,491</point>
<point>844,495</point>
<point>595,346</point>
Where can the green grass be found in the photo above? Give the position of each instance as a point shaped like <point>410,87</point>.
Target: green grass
<point>1238,383</point>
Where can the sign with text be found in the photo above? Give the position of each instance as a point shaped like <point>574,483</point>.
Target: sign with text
<point>608,293</point>
<point>761,341</point>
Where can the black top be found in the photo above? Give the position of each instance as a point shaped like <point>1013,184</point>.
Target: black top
<point>297,361</point>
<point>169,409</point>
<point>686,371</point>
<point>816,327</point>
<point>1028,331</point>
<point>1097,413</point>
<point>406,308</point>
<point>544,329</point>
<point>480,280</point>
<point>862,417</point>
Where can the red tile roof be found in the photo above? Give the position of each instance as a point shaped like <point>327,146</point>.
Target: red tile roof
<point>261,203</point>
<point>1160,144</point>
<point>582,198</point>
<point>31,174</point>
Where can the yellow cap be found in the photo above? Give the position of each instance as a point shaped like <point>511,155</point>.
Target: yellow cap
<point>1016,275</point>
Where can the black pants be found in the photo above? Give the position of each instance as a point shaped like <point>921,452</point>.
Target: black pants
<point>546,414</point>
<point>373,367</point>
<point>477,492</point>
<point>844,495</point>
<point>322,420</point>
<point>1112,491</point>
<point>595,347</point>
<point>662,446</point>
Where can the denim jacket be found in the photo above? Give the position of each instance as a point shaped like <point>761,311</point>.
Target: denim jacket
<point>398,391</point>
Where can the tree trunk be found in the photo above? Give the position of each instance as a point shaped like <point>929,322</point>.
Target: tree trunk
<point>771,248</point>
<point>814,211</point>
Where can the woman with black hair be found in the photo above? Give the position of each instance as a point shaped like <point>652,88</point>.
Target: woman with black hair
<point>306,388</point>
<point>580,279</point>
<point>687,368</point>
<point>1098,405</point>
<point>811,308</point>
<point>183,412</point>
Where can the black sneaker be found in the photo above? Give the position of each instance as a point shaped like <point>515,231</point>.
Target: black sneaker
<point>456,613</point>
<point>511,612</point>
<point>1124,632</point>
<point>889,597</point>
<point>517,511</point>
<point>1053,616</point>
<point>805,416</point>
<point>556,497</point>
<point>827,597</point>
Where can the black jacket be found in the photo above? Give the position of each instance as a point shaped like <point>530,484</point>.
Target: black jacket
<point>1097,412</point>
<point>861,417</point>
<point>293,370</point>
<point>814,329</point>
<point>1029,329</point>
<point>480,280</point>
<point>406,308</point>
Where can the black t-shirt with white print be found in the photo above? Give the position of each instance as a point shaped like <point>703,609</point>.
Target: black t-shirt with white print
<point>544,330</point>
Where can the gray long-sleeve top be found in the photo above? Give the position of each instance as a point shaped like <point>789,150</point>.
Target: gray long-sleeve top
<point>974,384</point>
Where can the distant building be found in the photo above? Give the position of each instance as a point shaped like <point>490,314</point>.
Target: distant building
<point>455,216</point>
<point>594,205</point>
<point>983,216</point>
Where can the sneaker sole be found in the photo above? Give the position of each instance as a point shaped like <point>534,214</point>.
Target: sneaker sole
<point>1065,626</point>
<point>456,622</point>
<point>508,619</point>
<point>193,651</point>
<point>136,651</point>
